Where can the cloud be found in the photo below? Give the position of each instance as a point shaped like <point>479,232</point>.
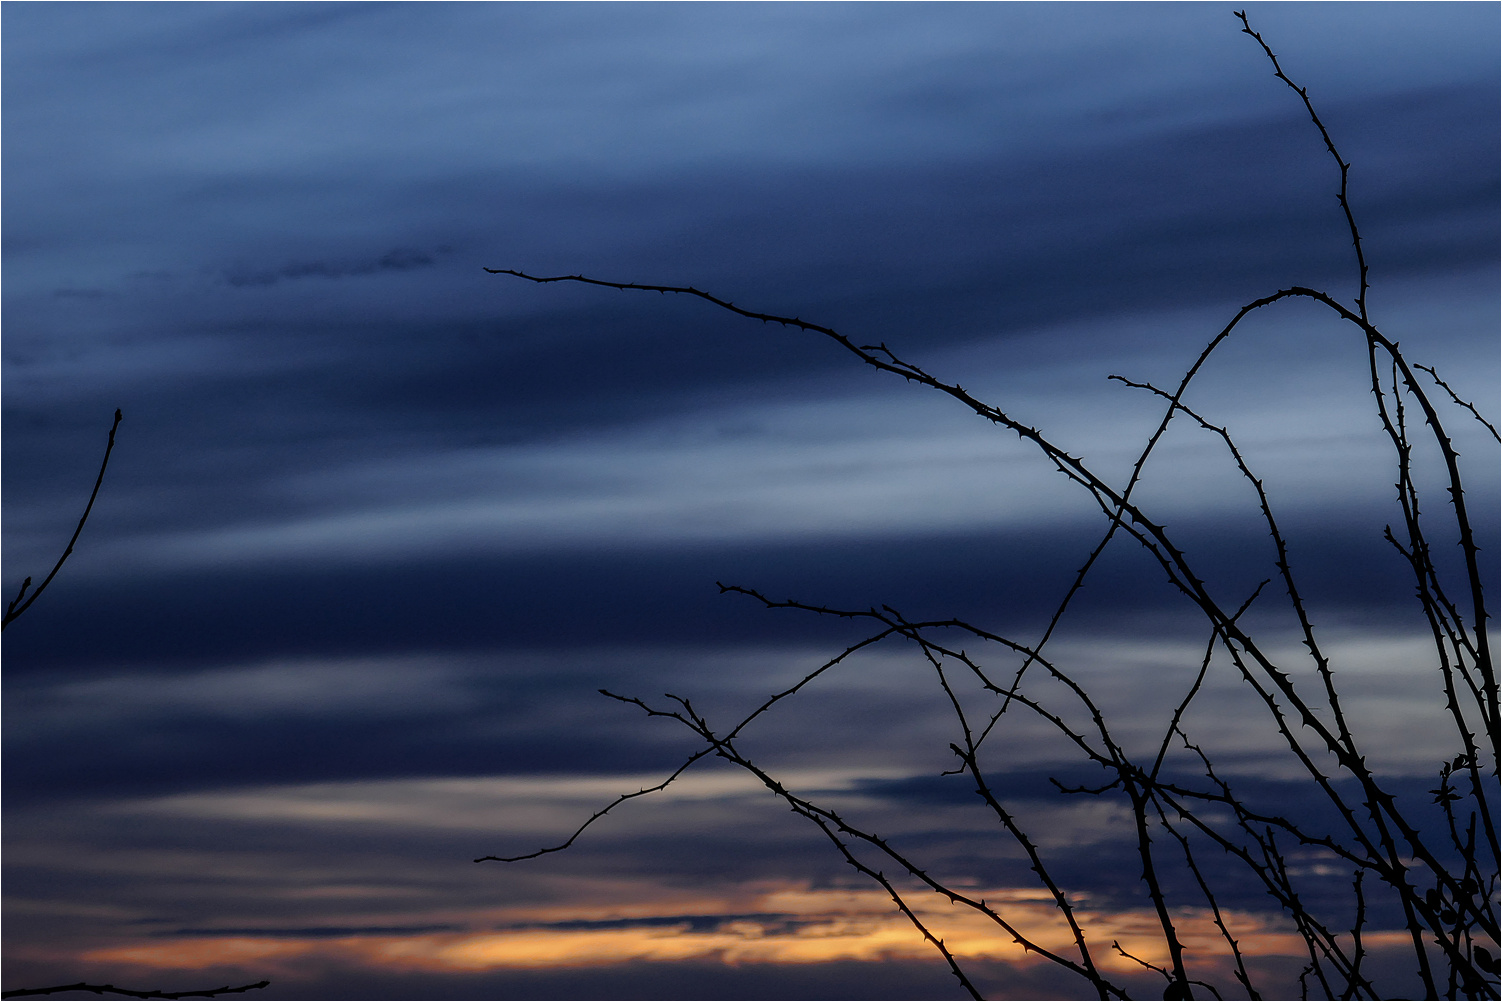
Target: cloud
<point>725,464</point>
<point>317,932</point>
<point>400,259</point>
<point>379,525</point>
<point>82,293</point>
<point>820,927</point>
<point>803,926</point>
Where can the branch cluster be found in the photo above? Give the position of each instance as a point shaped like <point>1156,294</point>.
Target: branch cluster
<point>1189,822</point>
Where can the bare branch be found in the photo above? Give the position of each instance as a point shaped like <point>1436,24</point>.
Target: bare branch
<point>208,993</point>
<point>1439,877</point>
<point>1462,403</point>
<point>12,611</point>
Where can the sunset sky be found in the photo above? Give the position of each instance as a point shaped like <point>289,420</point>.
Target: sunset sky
<point>379,524</point>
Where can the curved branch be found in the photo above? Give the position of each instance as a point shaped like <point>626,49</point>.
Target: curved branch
<point>12,612</point>
<point>1345,168</point>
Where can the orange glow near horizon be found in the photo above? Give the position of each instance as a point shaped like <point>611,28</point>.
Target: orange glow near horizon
<point>831,925</point>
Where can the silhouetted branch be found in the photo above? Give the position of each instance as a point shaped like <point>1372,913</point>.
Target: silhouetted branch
<point>12,611</point>
<point>604,810</point>
<point>21,993</point>
<point>1442,878</point>
<point>1345,168</point>
<point>1463,403</point>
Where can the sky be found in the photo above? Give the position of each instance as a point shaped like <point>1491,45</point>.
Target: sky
<point>379,523</point>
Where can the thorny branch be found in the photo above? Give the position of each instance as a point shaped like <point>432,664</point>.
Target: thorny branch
<point>1443,878</point>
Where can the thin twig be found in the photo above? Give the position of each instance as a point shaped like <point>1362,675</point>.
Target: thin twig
<point>208,993</point>
<point>12,611</point>
<point>1463,403</point>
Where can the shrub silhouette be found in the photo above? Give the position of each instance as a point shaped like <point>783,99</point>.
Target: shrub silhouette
<point>1433,859</point>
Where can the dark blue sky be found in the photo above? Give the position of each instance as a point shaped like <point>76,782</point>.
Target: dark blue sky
<point>378,517</point>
